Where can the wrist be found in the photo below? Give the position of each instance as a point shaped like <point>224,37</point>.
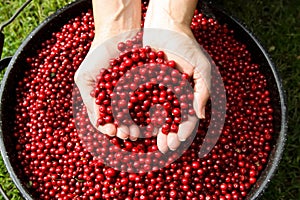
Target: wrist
<point>114,17</point>
<point>173,15</point>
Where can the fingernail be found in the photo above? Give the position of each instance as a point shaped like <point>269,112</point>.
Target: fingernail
<point>133,138</point>
<point>121,136</point>
<point>163,151</point>
<point>122,133</point>
<point>111,135</point>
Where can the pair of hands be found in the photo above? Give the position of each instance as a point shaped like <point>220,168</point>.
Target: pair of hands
<point>167,28</point>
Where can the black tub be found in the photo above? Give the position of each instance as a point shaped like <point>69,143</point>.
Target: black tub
<point>54,22</point>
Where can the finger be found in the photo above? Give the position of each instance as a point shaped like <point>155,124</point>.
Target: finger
<point>108,129</point>
<point>162,142</point>
<point>199,103</point>
<point>173,141</point>
<point>201,96</point>
<point>186,128</point>
<point>134,132</point>
<point>123,132</point>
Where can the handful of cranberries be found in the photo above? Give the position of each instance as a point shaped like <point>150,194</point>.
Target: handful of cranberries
<point>54,157</point>
<point>141,79</point>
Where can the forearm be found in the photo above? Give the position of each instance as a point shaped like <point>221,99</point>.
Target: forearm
<point>171,14</point>
<point>112,17</point>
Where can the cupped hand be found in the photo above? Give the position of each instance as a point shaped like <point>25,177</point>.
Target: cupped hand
<point>86,79</point>
<point>119,21</point>
<point>168,30</point>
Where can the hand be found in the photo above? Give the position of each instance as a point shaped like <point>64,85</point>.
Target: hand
<point>113,24</point>
<point>167,28</point>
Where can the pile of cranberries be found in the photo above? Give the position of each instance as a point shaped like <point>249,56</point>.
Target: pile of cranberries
<point>61,156</point>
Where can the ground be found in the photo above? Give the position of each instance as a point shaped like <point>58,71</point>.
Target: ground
<point>275,23</point>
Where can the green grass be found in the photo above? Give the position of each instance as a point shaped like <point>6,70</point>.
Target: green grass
<point>276,24</point>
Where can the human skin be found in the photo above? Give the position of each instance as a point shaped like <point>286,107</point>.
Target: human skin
<point>112,18</point>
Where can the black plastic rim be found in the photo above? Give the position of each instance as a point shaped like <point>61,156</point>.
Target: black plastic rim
<point>55,21</point>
